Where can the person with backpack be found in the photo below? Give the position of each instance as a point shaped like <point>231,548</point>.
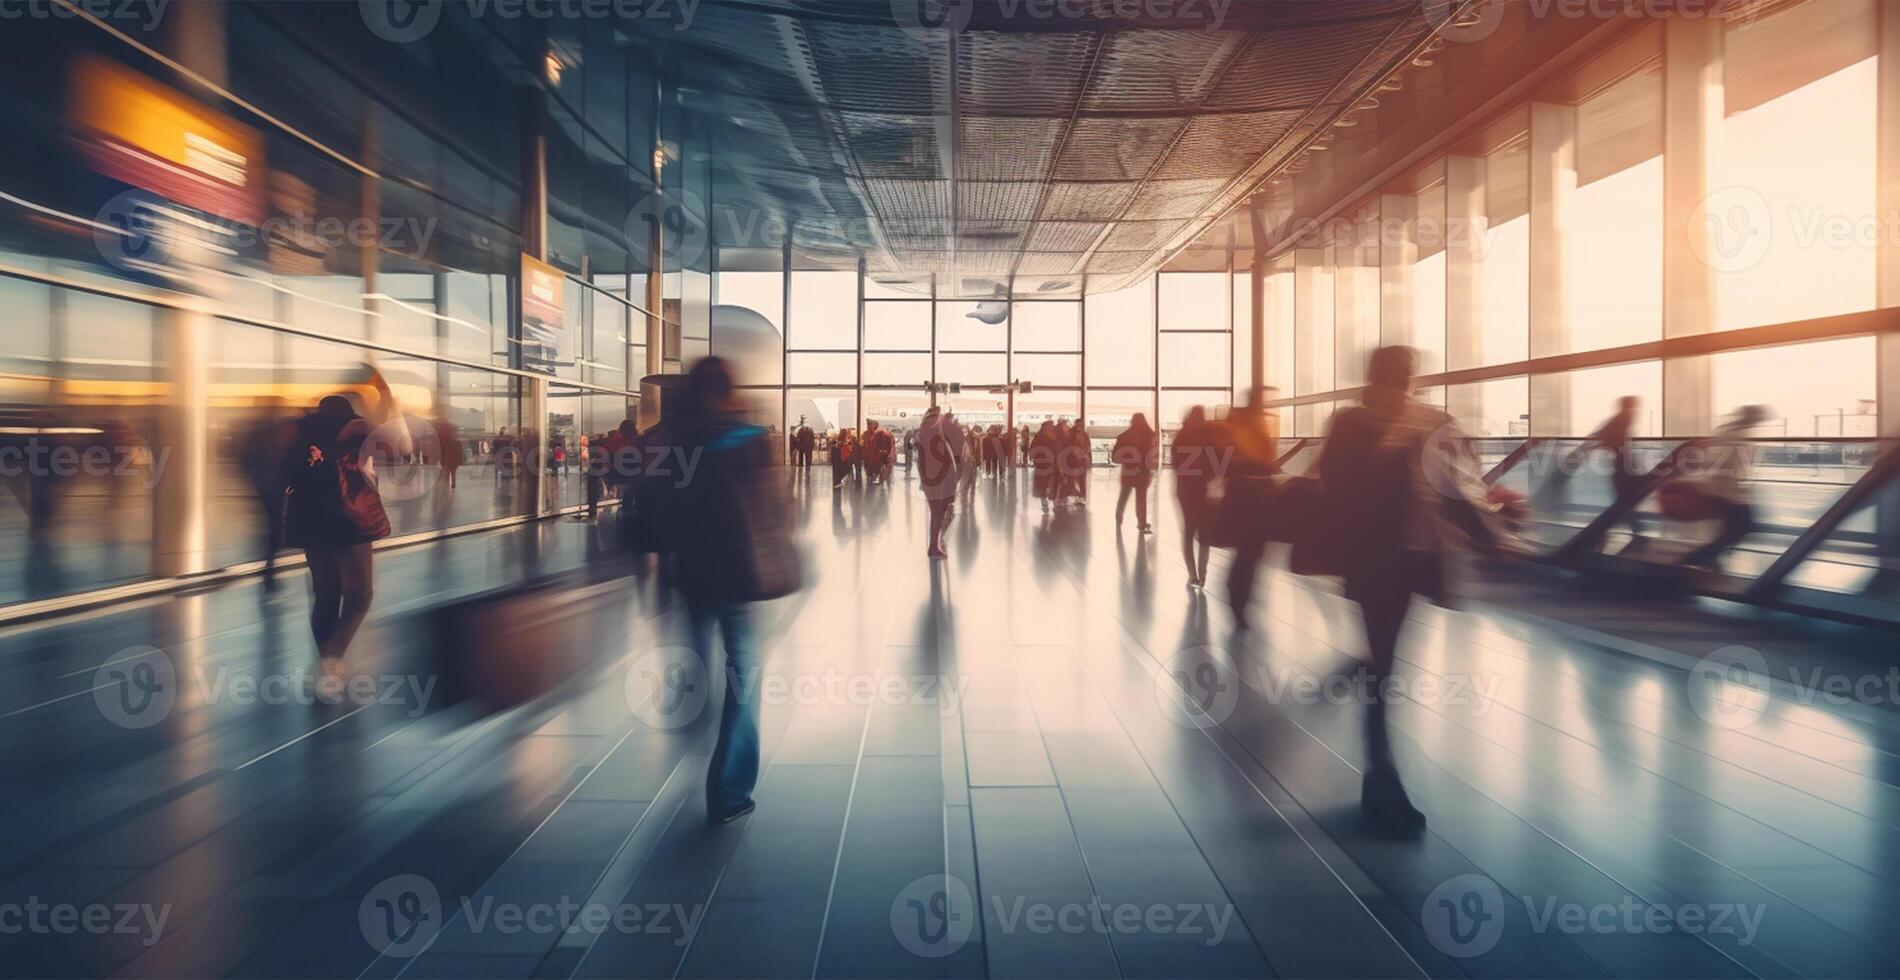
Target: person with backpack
<point>333,512</point>
<point>1195,459</point>
<point>731,546</point>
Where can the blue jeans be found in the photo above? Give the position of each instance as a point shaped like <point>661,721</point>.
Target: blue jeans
<point>735,759</point>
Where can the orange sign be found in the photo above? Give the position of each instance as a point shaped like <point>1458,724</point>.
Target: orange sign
<point>542,288</point>
<point>145,134</point>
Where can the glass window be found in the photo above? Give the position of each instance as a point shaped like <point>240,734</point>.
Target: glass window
<point>1120,346</point>
<point>1819,389</point>
<point>900,411</point>
<point>1278,307</point>
<point>972,370</point>
<point>822,368</point>
<point>825,410</point>
<point>1193,300</point>
<point>748,325</point>
<point>1491,408</point>
<point>1412,267</point>
<point>1047,405</point>
<point>1356,295</point>
<point>1109,414</point>
<point>824,313</point>
<point>958,329</point>
<point>1313,321</point>
<point>1574,403</point>
<point>1613,257</point>
<point>1243,334</point>
<point>1046,326</point>
<point>1195,360</point>
<point>897,369</point>
<point>1062,370</point>
<point>1795,233</point>
<point>607,349</point>
<point>895,288</point>
<point>897,326</point>
<point>1504,259</point>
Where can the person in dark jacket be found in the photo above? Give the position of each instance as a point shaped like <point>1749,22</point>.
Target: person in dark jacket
<point>733,529</point>
<point>1388,477</point>
<point>1041,452</point>
<point>1247,492</point>
<point>1081,462</point>
<point>332,511</point>
<point>1137,453</point>
<point>1195,461</point>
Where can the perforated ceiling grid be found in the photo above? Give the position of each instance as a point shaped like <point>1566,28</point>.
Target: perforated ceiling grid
<point>1012,143</point>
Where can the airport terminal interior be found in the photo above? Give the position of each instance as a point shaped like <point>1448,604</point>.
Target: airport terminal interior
<point>950,488</point>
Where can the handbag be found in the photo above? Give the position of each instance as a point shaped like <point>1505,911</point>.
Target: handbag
<point>1310,522</point>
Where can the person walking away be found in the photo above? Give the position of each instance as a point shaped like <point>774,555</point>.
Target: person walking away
<point>1389,472</point>
<point>1041,452</point>
<point>1247,490</point>
<point>807,441</point>
<point>260,454</point>
<point>1195,463</point>
<point>732,547</point>
<point>448,439</point>
<point>878,450</point>
<point>1137,453</point>
<point>1025,440</point>
<point>1083,461</point>
<point>333,512</point>
<point>1065,467</point>
<point>937,471</point>
<point>959,439</point>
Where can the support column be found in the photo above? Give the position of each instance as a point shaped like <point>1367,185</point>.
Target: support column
<point>181,498</point>
<point>1887,365</point>
<point>1466,225</point>
<point>1398,253</point>
<point>1692,115</point>
<point>1257,308</point>
<point>1553,177</point>
<point>534,241</point>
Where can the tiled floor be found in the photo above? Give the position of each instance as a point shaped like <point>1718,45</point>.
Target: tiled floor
<point>1043,757</point>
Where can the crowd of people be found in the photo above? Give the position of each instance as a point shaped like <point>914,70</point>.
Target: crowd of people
<point>1396,489</point>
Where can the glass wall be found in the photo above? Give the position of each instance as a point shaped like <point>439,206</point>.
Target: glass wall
<point>362,254</point>
<point>1543,232</point>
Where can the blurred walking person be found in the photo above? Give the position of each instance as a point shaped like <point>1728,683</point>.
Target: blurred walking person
<point>260,454</point>
<point>1194,459</point>
<point>880,451</point>
<point>333,512</point>
<point>1389,472</point>
<point>937,471</point>
<point>732,546</point>
<point>1246,495</point>
<point>803,443</point>
<point>1724,496</point>
<point>1041,451</point>
<point>844,457</point>
<point>1082,462</point>
<point>1138,455</point>
<point>1616,437</point>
